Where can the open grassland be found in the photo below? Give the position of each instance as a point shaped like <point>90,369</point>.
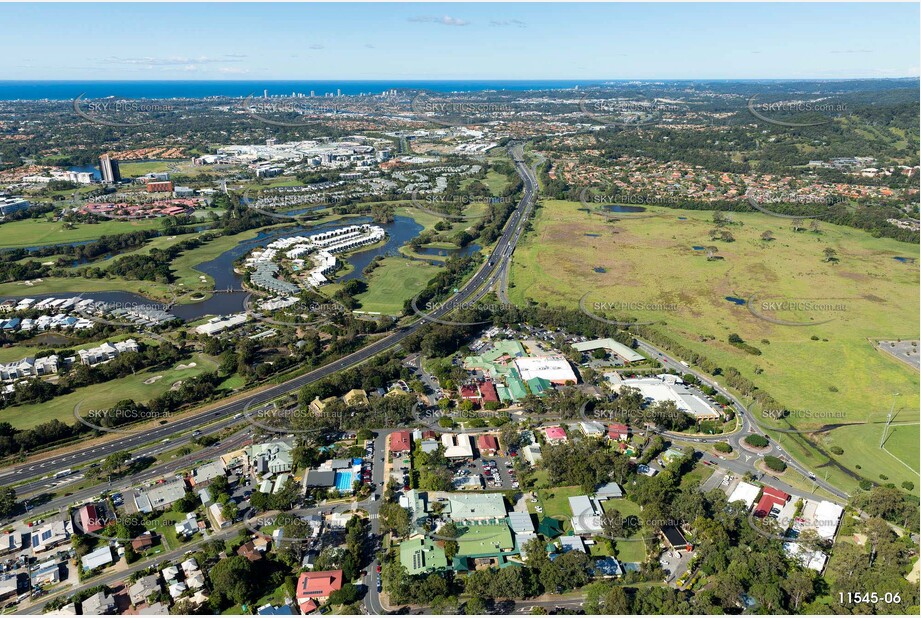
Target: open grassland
<point>107,394</point>
<point>826,368</point>
<point>39,232</point>
<point>392,283</point>
<point>896,462</point>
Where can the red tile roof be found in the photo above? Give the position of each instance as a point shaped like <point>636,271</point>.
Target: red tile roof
<point>399,441</point>
<point>318,585</point>
<point>487,443</point>
<point>616,431</point>
<point>770,498</point>
<point>488,391</point>
<point>90,520</point>
<point>469,391</point>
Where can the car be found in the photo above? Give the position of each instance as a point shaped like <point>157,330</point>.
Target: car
<point>378,568</point>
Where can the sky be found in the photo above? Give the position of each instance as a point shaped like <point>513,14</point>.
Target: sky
<point>125,41</point>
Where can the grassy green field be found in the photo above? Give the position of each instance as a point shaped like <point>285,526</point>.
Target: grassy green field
<point>133,170</point>
<point>555,503</point>
<point>633,549</point>
<point>105,395</point>
<point>39,232</point>
<point>860,444</point>
<point>393,282</point>
<point>651,264</point>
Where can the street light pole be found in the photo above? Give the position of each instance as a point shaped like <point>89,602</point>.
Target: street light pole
<point>882,439</point>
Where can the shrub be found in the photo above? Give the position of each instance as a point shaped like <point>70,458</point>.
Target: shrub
<point>774,464</point>
<point>722,447</point>
<point>756,441</point>
<point>837,450</point>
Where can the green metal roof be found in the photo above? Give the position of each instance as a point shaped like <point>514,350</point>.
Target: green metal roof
<point>422,555</point>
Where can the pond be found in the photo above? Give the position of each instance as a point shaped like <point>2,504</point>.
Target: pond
<point>623,208</point>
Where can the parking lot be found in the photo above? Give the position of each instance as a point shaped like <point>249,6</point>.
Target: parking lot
<point>496,473</point>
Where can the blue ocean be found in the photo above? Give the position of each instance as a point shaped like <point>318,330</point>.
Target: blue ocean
<point>68,90</point>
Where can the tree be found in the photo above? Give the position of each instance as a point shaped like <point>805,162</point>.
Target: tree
<point>449,531</point>
<point>475,606</point>
<point>612,523</point>
<point>395,519</point>
<point>234,581</point>
<point>7,501</point>
<point>830,254</point>
<point>114,462</point>
<point>767,235</point>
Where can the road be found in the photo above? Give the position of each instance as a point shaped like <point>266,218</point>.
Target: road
<point>747,426</point>
<point>477,287</point>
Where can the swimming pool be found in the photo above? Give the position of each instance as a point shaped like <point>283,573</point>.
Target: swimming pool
<point>344,481</point>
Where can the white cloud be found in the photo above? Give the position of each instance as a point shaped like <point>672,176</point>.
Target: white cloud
<point>444,21</point>
<point>508,23</point>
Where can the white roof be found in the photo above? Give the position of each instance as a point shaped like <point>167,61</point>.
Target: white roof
<point>658,390</point>
<point>552,368</point>
<point>625,352</point>
<point>457,445</point>
<point>746,492</point>
<point>97,558</point>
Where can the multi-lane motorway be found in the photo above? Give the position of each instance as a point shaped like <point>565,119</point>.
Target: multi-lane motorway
<point>477,287</point>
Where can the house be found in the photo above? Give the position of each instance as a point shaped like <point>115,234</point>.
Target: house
<point>555,435</point>
<point>586,515</point>
<point>313,589</point>
<point>205,473</point>
<point>157,609</point>
<point>143,588</point>
<point>608,567</point>
<point>215,512</point>
<point>457,446</point>
<point>591,429</point>
<point>10,542</point>
<point>98,558</point>
<point>619,432</point>
<point>318,406</point>
<point>248,550</point>
<point>188,526</point>
<point>50,535</point>
<point>608,490</point>
<point>745,493</point>
<point>572,543</point>
<point>144,541</point>
<point>355,398</point>
<point>90,519</point>
<point>98,604</point>
<point>531,453</point>
<point>400,443</point>
<point>772,500</point>
<point>106,352</point>
<point>487,444</point>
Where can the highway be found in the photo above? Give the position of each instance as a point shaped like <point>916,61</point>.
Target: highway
<point>477,287</point>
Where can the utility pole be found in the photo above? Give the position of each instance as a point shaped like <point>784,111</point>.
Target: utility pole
<point>882,439</point>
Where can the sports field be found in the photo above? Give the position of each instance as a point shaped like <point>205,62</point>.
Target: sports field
<point>650,267</point>
<point>141,387</point>
<point>396,280</point>
<point>39,232</point>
